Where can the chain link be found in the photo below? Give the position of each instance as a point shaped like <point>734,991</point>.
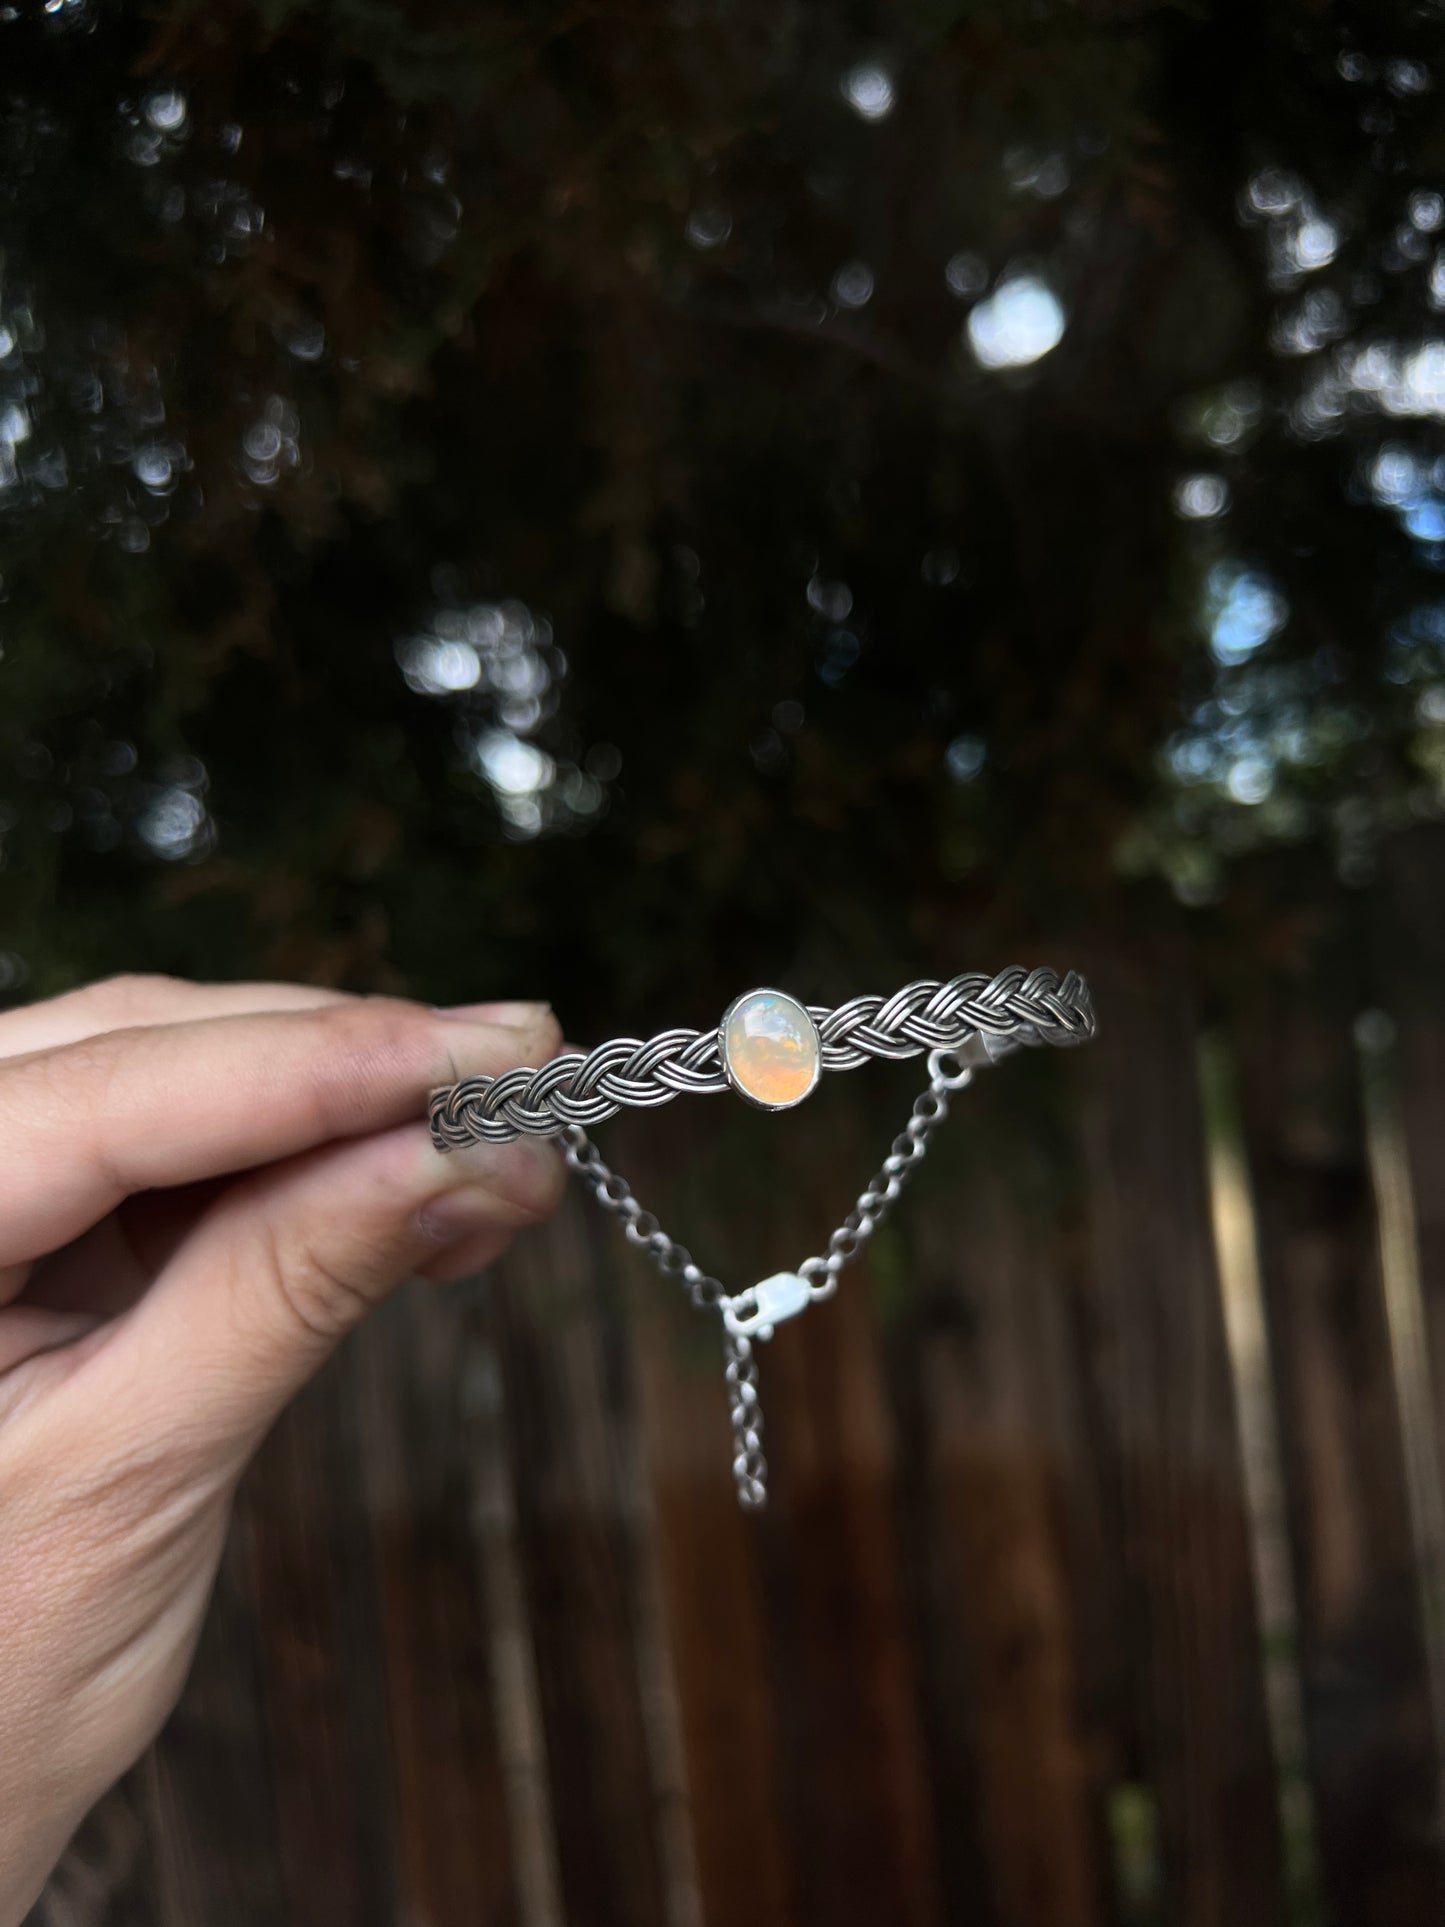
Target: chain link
<point>639,1227</point>
<point>946,1074</point>
<point>750,1468</point>
<point>876,1200</point>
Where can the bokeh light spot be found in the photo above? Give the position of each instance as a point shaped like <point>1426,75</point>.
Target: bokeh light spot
<point>868,90</point>
<point>1020,322</point>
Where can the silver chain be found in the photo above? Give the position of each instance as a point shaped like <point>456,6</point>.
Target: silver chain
<point>969,1021</point>
<point>744,1316</point>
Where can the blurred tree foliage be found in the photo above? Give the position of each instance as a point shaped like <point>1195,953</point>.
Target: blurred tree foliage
<point>513,497</point>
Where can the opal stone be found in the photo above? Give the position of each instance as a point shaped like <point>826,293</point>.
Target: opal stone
<point>771,1050</point>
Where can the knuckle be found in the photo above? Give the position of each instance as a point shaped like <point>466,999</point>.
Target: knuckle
<point>317,1293</point>
<point>52,1079</point>
<point>131,994</point>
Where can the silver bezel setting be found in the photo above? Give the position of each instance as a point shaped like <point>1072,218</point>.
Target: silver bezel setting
<point>767,990</point>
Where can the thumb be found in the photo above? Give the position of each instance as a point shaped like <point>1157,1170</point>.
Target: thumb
<point>290,1258</point>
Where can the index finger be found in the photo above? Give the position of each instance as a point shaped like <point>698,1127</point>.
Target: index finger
<point>133,1110</point>
<point>125,1002</point>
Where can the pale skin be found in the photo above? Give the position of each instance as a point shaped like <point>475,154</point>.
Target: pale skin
<point>202,1189</point>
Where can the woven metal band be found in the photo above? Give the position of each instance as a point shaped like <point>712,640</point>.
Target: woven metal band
<point>974,1017</point>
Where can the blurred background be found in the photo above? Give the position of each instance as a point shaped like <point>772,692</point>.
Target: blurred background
<point>623,502</point>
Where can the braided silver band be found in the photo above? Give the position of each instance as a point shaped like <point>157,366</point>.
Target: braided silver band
<point>977,1018</point>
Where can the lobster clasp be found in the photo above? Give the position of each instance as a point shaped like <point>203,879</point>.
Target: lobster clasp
<point>754,1312</point>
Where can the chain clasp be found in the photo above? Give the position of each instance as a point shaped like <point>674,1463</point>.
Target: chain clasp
<point>754,1312</point>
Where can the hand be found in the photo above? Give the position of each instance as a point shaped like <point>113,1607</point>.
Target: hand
<point>202,1188</point>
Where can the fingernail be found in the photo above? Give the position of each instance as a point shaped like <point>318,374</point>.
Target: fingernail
<point>457,1214</point>
<point>493,1186</point>
<point>509,1016</point>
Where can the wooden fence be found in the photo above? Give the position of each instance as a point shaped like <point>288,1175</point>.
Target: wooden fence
<point>1102,1582</point>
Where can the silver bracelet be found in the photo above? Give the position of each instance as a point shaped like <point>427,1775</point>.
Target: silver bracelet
<point>771,1049</point>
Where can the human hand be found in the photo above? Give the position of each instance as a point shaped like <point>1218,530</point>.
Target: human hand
<point>202,1188</point>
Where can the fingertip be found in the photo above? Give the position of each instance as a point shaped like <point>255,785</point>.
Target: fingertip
<point>473,1047</point>
<point>511,1016</point>
<point>466,1258</point>
<point>384,1046</point>
<point>521,1182</point>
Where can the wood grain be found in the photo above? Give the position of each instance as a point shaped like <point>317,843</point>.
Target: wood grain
<point>453,1849</point>
<point>567,1406</point>
<point>1365,1691</point>
<point>707,1551</point>
<point>1002,1467</point>
<point>1411,974</point>
<point>1167,1398</point>
<point>308,1534</point>
<point>212,1788</point>
<point>858,1805</point>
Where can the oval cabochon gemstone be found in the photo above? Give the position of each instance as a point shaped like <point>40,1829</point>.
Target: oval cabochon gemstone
<point>771,1049</point>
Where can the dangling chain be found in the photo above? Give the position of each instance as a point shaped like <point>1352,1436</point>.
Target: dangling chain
<point>751,1314</point>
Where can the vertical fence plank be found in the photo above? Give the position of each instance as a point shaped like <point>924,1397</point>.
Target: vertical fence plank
<point>492,1508</point>
<point>713,1601</point>
<point>1166,1393</point>
<point>1413,974</point>
<point>453,1853</point>
<point>855,1779</point>
<point>1365,1691</point>
<point>312,1563</point>
<point>1237,1249</point>
<point>1405,1322</point>
<point>566,1398</point>
<point>218,1849</point>
<point>982,1355</point>
<point>854,1762</point>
